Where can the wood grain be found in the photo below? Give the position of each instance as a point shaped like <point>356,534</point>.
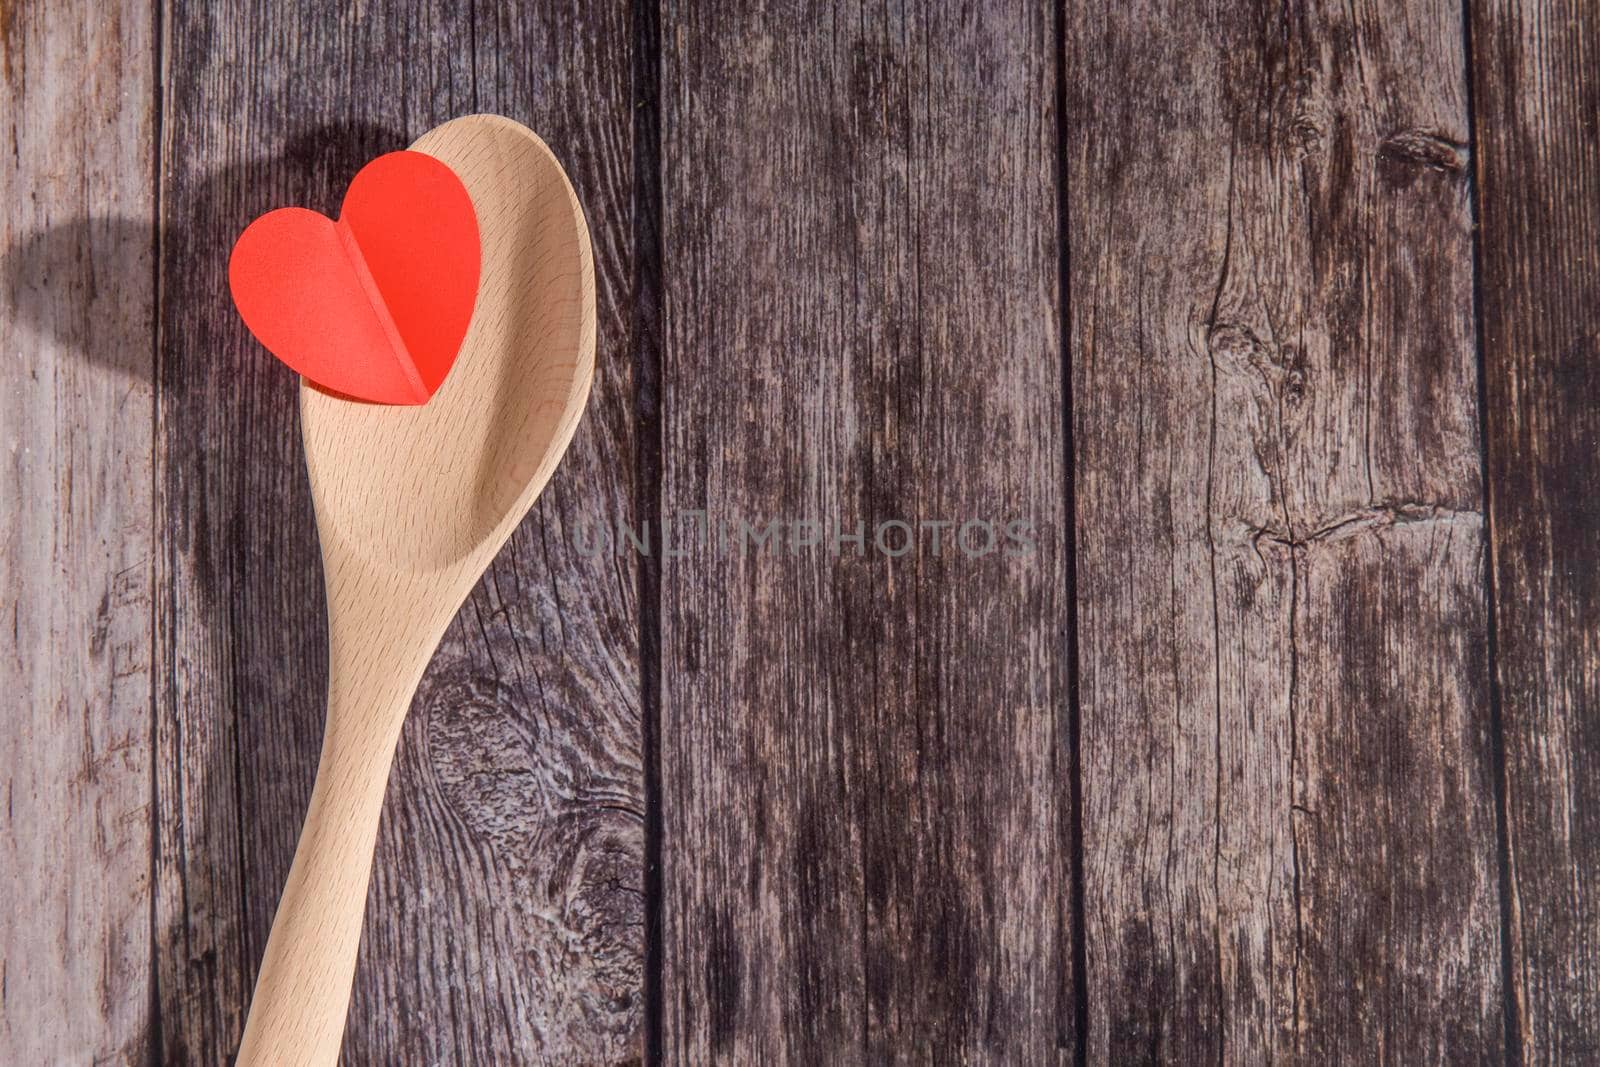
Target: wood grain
<point>1536,73</point>
<point>864,761</point>
<point>508,863</point>
<point>518,794</point>
<point>76,331</point>
<point>1287,748</point>
<point>241,623</point>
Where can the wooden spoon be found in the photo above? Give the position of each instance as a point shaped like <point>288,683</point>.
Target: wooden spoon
<point>412,504</point>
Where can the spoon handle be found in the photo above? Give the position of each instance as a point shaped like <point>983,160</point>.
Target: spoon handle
<point>302,993</point>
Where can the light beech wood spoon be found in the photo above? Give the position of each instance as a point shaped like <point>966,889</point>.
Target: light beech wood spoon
<point>412,504</point>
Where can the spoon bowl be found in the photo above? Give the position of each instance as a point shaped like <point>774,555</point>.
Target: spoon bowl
<point>441,484</point>
<point>412,505</point>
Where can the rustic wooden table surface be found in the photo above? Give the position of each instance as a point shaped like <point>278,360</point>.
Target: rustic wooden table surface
<point>1274,736</point>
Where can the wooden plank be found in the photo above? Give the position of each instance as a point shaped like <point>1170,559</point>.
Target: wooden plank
<point>259,111</point>
<point>502,919</point>
<point>1288,778</point>
<point>76,233</point>
<point>864,760</point>
<point>514,843</point>
<point>1536,73</point>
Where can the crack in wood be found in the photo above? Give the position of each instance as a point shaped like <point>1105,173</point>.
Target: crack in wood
<point>1366,521</point>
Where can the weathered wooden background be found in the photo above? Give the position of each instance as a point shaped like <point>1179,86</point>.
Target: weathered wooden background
<point>1279,322</point>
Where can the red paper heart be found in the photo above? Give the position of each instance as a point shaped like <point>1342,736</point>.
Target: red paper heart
<point>375,305</point>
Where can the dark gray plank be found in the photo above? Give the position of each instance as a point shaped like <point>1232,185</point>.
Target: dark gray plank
<point>77,301</point>
<point>1536,73</point>
<point>1288,778</point>
<point>502,916</point>
<point>261,109</point>
<point>514,845</point>
<point>864,766</point>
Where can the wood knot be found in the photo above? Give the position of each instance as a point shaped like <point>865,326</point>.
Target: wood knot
<point>487,757</point>
<point>1235,347</point>
<point>1293,374</point>
<point>1308,122</point>
<point>1306,134</point>
<point>1404,155</point>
